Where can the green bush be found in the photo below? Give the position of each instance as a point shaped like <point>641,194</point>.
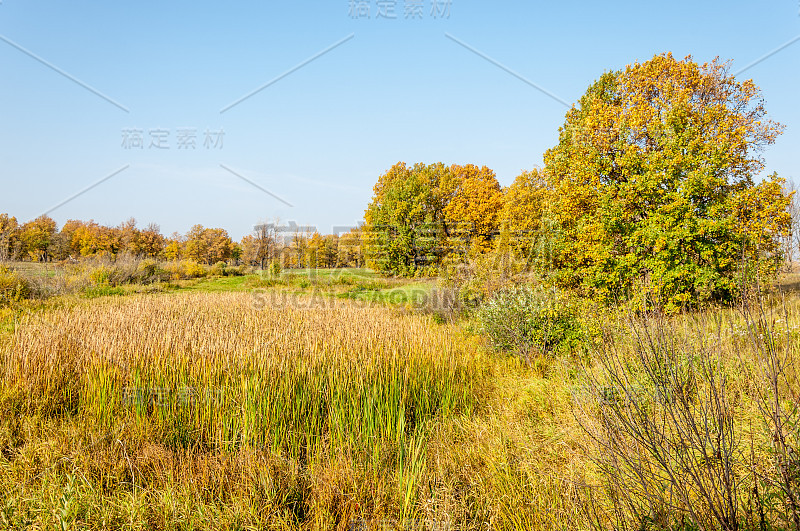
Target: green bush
<point>531,321</point>
<point>236,271</point>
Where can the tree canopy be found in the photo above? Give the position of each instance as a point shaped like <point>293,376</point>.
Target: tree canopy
<point>653,184</point>
<point>652,192</point>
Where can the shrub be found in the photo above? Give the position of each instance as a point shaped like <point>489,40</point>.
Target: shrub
<point>147,272</point>
<point>191,269</point>
<point>100,276</point>
<point>662,418</point>
<point>185,269</point>
<point>236,271</point>
<point>528,321</point>
<point>13,287</point>
<point>217,270</point>
<point>275,269</point>
<point>124,270</point>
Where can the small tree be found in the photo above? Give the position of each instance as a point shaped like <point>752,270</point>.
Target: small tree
<point>9,236</point>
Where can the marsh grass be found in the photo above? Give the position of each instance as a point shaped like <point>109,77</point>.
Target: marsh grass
<point>203,374</point>
<point>200,410</point>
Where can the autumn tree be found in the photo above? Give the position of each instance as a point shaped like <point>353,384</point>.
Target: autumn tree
<point>219,246</point>
<point>151,242</point>
<point>653,181</point>
<point>329,254</point>
<point>350,248</point>
<point>62,246</point>
<point>36,237</point>
<point>195,246</point>
<point>314,250</point>
<point>9,237</point>
<point>206,245</point>
<point>92,239</point>
<point>173,247</point>
<point>249,249</point>
<point>404,220</point>
<point>523,219</point>
<point>129,237</point>
<point>298,249</point>
<point>324,250</point>
<point>262,246</point>
<point>471,200</point>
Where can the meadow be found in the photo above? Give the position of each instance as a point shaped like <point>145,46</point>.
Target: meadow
<point>601,344</point>
<point>206,405</point>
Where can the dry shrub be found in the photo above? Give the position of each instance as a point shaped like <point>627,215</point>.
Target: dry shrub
<point>693,423</point>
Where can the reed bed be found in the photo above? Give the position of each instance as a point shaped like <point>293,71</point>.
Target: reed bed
<point>205,374</point>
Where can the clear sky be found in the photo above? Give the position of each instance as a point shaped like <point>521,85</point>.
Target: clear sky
<point>84,84</point>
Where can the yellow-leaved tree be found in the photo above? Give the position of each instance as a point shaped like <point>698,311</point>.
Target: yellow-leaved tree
<point>654,185</point>
<point>472,200</point>
<point>523,223</point>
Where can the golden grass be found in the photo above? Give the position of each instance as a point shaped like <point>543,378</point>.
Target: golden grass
<point>200,411</point>
<point>209,377</point>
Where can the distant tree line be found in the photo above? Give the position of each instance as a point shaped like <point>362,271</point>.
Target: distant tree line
<point>41,240</point>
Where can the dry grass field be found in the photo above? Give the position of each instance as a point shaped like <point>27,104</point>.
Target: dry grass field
<point>197,410</point>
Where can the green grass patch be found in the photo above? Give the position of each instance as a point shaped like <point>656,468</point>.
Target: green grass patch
<point>218,284</point>
<point>411,293</point>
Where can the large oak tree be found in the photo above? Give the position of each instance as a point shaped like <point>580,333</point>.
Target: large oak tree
<point>654,186</point>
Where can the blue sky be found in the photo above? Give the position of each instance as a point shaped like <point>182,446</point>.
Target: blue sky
<point>397,90</point>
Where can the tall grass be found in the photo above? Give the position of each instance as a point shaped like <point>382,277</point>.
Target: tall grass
<point>208,411</point>
<point>210,374</point>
